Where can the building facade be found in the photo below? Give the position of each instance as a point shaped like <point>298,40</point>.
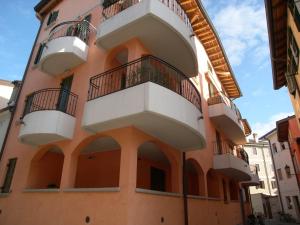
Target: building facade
<point>264,194</point>
<point>125,117</point>
<point>283,19</point>
<point>288,188</point>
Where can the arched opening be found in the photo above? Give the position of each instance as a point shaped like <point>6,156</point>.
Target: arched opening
<point>98,164</point>
<point>195,176</point>
<point>46,169</point>
<point>234,191</point>
<point>213,184</point>
<point>153,169</point>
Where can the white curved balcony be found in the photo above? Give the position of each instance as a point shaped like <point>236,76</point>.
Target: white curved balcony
<point>162,26</point>
<point>152,97</point>
<point>226,118</point>
<point>48,117</point>
<point>232,162</point>
<point>66,48</point>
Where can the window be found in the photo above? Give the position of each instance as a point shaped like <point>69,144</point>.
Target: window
<point>274,147</point>
<point>9,175</point>
<point>282,145</point>
<point>273,184</point>
<point>294,6</point>
<point>257,167</point>
<point>52,17</point>
<point>292,63</point>
<point>287,171</point>
<point>272,168</point>
<point>289,202</point>
<point>261,185</point>
<point>254,151</point>
<point>209,67</point>
<point>212,89</point>
<point>39,53</point>
<point>279,174</point>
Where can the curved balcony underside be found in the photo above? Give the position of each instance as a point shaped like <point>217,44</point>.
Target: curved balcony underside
<point>44,127</point>
<point>226,121</point>
<point>232,166</point>
<point>151,108</point>
<point>253,182</point>
<point>62,54</point>
<point>161,30</point>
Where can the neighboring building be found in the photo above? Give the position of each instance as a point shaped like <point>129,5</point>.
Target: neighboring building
<point>8,91</point>
<point>265,192</point>
<point>288,188</point>
<point>283,18</point>
<point>129,123</point>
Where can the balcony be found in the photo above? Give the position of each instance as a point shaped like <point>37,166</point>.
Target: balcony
<point>159,24</point>
<point>66,47</point>
<point>151,95</point>
<point>231,161</point>
<point>48,116</point>
<point>226,117</point>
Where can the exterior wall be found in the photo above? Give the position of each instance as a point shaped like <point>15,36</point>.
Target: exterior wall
<point>6,89</point>
<point>4,121</point>
<point>295,99</point>
<point>288,186</point>
<point>293,135</point>
<point>127,203</point>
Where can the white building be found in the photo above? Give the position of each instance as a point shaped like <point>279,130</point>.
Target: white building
<point>264,195</point>
<point>8,94</point>
<point>288,189</point>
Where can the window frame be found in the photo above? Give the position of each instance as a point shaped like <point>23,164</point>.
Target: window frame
<point>11,167</point>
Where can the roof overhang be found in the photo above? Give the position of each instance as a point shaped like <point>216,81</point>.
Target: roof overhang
<point>206,33</point>
<point>283,128</point>
<point>276,11</point>
<point>247,127</point>
<point>44,7</point>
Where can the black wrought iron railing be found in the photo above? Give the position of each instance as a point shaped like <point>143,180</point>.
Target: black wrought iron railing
<point>145,69</point>
<point>223,147</point>
<point>113,7</point>
<point>51,99</point>
<point>80,29</point>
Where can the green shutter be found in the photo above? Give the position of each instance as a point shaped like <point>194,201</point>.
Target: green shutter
<point>39,53</point>
<point>9,175</point>
<point>291,83</point>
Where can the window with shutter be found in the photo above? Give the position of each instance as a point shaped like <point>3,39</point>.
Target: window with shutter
<point>52,17</point>
<point>9,175</point>
<point>292,63</point>
<point>294,6</point>
<point>39,53</point>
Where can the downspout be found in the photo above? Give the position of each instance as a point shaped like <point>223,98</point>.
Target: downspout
<point>242,204</point>
<point>275,172</point>
<point>19,94</point>
<point>266,171</point>
<point>184,188</point>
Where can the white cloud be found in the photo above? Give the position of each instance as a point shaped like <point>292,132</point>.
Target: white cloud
<point>242,28</point>
<point>262,128</point>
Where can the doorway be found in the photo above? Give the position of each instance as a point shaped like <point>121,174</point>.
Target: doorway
<point>65,88</point>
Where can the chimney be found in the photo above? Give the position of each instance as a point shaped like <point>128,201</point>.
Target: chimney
<point>255,137</point>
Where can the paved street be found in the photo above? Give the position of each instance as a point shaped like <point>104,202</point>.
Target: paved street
<point>272,222</point>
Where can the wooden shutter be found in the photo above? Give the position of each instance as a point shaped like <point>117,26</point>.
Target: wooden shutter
<point>9,175</point>
<point>39,53</point>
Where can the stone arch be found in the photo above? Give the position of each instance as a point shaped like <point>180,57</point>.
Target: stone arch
<point>155,168</point>
<point>98,163</point>
<point>195,178</point>
<point>46,169</point>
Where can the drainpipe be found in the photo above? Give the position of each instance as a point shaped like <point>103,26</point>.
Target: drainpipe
<point>184,188</point>
<point>275,172</point>
<point>242,205</point>
<point>19,94</point>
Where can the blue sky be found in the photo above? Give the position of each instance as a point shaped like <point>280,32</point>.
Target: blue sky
<point>241,26</point>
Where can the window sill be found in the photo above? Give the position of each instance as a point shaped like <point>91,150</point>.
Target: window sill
<point>4,195</point>
<point>214,199</point>
<point>41,190</point>
<point>108,189</point>
<point>197,197</point>
<point>147,191</point>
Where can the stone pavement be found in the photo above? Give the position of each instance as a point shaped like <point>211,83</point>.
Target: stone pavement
<point>273,222</point>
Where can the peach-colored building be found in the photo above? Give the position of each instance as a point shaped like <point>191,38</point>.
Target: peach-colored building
<point>125,117</point>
